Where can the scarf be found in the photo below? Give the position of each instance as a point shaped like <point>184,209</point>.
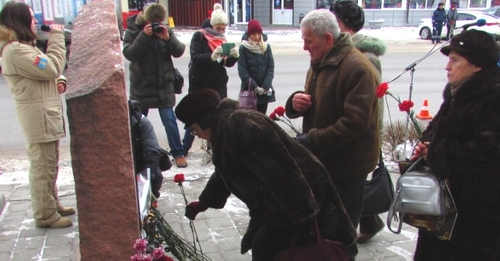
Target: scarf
<point>255,47</point>
<point>213,37</point>
<point>456,86</point>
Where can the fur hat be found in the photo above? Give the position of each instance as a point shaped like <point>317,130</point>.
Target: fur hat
<point>254,27</point>
<point>218,15</point>
<point>477,47</point>
<point>349,13</point>
<point>154,11</point>
<point>197,107</point>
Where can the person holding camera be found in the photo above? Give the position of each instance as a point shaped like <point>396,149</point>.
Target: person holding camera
<point>149,45</point>
<point>207,68</point>
<point>36,83</point>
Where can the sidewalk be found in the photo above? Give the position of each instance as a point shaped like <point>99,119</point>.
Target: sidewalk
<point>219,231</point>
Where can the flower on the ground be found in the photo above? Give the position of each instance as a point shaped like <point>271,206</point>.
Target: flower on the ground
<point>406,105</point>
<point>179,178</point>
<point>279,115</point>
<point>144,252</point>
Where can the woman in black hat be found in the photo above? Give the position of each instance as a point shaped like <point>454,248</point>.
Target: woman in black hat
<point>284,186</point>
<point>462,143</point>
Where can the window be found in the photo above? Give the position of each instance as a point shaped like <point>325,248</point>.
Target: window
<point>372,4</point>
<point>392,3</point>
<point>478,3</point>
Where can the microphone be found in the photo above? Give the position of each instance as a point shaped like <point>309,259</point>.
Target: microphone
<point>479,22</point>
<point>46,28</point>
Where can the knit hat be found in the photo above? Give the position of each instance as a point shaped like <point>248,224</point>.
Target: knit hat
<point>197,107</point>
<point>154,11</point>
<point>477,47</point>
<point>440,4</point>
<point>349,13</point>
<point>254,27</point>
<point>218,15</point>
<point>452,6</point>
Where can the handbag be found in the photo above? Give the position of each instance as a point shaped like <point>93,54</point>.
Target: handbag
<point>247,97</point>
<point>423,201</point>
<point>322,250</point>
<point>178,81</point>
<point>379,191</point>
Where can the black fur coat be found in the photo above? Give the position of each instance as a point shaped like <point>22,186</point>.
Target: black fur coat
<point>283,184</point>
<point>465,147</point>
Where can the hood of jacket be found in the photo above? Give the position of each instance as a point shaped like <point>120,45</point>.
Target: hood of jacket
<point>7,35</point>
<point>369,44</point>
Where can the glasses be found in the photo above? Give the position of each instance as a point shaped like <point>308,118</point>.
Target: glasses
<point>193,132</point>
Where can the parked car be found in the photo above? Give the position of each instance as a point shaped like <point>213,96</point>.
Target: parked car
<point>495,10</point>
<point>464,17</point>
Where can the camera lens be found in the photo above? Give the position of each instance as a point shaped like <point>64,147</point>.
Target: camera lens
<point>156,27</point>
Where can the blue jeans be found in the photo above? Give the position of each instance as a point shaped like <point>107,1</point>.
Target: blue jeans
<point>170,123</point>
<point>187,142</point>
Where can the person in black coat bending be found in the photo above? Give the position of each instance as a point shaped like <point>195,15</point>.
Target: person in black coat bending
<point>146,150</point>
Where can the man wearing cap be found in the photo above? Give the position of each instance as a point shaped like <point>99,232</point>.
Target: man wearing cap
<point>339,109</point>
<point>438,19</point>
<point>451,20</point>
<point>284,186</point>
<point>462,144</point>
<point>149,45</point>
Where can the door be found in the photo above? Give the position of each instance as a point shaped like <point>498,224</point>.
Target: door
<point>283,12</point>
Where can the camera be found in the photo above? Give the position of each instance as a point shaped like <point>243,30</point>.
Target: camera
<point>156,27</point>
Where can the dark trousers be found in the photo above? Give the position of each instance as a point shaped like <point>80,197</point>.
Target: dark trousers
<point>436,32</point>
<point>449,29</point>
<point>262,107</point>
<point>351,193</point>
<point>370,224</point>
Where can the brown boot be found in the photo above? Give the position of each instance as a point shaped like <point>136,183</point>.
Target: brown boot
<point>181,162</point>
<point>66,211</point>
<point>61,223</point>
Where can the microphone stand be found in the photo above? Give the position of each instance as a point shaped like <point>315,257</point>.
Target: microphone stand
<point>411,68</point>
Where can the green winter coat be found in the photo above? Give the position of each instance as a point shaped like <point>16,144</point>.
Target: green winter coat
<point>342,120</point>
<point>257,67</point>
<point>372,48</point>
<point>34,85</point>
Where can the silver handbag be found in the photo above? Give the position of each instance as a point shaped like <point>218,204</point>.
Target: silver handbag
<point>420,193</point>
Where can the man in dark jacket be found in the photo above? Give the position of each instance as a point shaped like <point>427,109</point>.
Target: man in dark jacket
<point>339,109</point>
<point>284,186</point>
<point>149,45</point>
<point>438,19</point>
<point>451,20</point>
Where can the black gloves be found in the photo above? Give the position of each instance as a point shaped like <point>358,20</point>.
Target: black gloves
<point>304,140</point>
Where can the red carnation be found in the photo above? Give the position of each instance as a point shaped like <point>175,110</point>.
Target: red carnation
<point>280,111</point>
<point>273,116</point>
<point>178,178</point>
<point>406,106</point>
<point>382,89</point>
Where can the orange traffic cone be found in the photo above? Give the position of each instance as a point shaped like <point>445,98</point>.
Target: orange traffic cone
<point>424,112</point>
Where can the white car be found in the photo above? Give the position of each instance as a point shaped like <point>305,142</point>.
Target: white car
<point>492,25</point>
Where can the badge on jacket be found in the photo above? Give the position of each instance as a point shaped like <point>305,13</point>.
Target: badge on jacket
<point>40,62</point>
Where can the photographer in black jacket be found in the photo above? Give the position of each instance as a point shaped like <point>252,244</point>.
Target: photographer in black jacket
<point>149,45</point>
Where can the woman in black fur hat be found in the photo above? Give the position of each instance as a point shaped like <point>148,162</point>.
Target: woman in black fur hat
<point>284,186</point>
<point>462,143</point>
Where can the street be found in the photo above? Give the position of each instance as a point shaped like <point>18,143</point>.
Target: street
<point>290,69</point>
